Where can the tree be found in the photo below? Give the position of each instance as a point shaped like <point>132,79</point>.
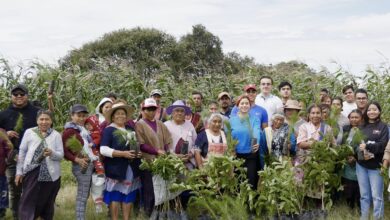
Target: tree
<point>201,51</point>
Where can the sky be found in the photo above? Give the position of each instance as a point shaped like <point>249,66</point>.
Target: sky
<point>322,33</point>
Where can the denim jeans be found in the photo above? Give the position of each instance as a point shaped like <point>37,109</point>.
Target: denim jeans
<point>371,189</point>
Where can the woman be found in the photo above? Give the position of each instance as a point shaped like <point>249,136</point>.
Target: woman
<point>121,163</point>
<point>129,123</point>
<point>182,131</point>
<point>280,139</point>
<point>246,129</point>
<point>82,161</point>
<point>5,148</point>
<point>370,180</point>
<point>154,139</point>
<point>309,133</point>
<point>328,117</point>
<point>183,138</point>
<point>101,109</point>
<point>349,178</point>
<point>291,110</point>
<point>313,130</point>
<point>210,142</point>
<point>39,169</point>
<point>326,100</point>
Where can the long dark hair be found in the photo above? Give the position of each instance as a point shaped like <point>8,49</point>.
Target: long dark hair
<point>365,116</point>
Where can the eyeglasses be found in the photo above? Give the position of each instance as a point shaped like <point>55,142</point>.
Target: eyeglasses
<point>18,94</point>
<point>151,109</point>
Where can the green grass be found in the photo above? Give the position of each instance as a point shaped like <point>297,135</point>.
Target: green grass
<point>65,203</point>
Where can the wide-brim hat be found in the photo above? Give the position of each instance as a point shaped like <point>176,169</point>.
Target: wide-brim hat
<point>129,111</point>
<point>179,104</point>
<point>292,104</point>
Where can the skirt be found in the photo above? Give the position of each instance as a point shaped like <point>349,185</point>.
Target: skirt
<point>123,191</point>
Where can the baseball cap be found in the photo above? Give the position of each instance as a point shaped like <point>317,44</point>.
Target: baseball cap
<point>250,86</point>
<point>78,108</point>
<point>220,95</point>
<point>156,92</point>
<point>149,102</point>
<point>20,87</point>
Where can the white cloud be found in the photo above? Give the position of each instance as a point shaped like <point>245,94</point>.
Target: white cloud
<point>314,31</point>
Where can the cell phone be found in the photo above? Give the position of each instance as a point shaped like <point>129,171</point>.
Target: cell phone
<point>184,148</point>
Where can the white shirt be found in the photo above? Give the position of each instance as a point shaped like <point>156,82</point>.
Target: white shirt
<point>30,143</point>
<point>186,131</point>
<point>271,103</point>
<point>348,107</point>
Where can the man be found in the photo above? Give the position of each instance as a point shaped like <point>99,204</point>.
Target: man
<point>349,103</point>
<point>161,114</point>
<point>265,99</point>
<point>285,91</point>
<point>20,107</point>
<point>224,101</point>
<point>324,92</point>
<point>361,98</point>
<point>258,111</point>
<point>197,98</point>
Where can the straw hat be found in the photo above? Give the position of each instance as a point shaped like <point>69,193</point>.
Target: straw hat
<point>129,111</point>
<point>292,104</point>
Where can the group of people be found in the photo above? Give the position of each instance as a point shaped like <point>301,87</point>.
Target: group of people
<point>106,147</point>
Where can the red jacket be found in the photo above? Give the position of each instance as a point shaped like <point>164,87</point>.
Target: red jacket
<point>68,133</point>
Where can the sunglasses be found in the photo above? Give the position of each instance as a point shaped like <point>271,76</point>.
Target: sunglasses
<point>16,94</point>
<point>151,109</point>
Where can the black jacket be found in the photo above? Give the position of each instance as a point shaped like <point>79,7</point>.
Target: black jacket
<point>9,116</point>
<point>376,138</point>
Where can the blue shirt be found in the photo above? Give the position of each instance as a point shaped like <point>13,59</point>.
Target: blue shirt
<point>241,130</point>
<point>256,111</point>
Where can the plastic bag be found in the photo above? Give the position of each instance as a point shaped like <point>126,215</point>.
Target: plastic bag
<point>161,190</point>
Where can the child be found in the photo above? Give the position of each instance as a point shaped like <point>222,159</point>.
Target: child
<point>92,125</point>
<point>98,177</point>
<point>5,148</point>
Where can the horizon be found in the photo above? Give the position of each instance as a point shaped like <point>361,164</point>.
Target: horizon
<point>346,33</point>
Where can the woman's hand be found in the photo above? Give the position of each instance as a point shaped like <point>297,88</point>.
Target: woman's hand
<point>160,152</point>
<point>83,162</point>
<point>184,157</point>
<point>139,155</point>
<point>385,163</point>
<point>18,179</point>
<point>130,154</point>
<point>255,148</point>
<point>47,152</point>
<point>351,159</point>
